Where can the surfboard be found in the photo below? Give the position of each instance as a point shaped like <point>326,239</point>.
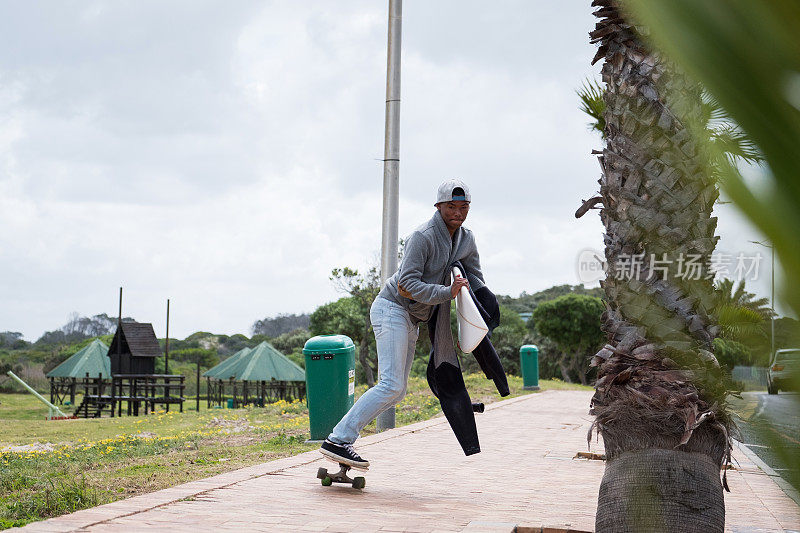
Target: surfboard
<point>471,326</point>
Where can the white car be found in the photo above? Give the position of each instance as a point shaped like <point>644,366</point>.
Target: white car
<point>784,371</point>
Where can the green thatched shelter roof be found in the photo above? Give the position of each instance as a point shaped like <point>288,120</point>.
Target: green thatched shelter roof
<point>262,363</point>
<point>92,359</point>
<point>265,363</point>
<point>221,371</point>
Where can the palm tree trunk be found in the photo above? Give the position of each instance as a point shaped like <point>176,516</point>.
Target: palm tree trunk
<point>659,403</point>
<point>658,490</point>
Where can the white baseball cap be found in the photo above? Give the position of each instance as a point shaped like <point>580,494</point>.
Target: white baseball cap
<point>445,193</point>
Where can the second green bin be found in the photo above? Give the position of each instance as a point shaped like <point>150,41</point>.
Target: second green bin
<point>529,364</point>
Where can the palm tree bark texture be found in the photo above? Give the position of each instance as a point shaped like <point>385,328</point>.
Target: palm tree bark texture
<point>659,401</point>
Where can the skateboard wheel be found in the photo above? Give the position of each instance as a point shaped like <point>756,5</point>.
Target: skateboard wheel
<point>322,473</point>
<point>327,482</point>
<point>359,483</point>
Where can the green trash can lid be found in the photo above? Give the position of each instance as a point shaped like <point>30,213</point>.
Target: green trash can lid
<point>328,344</point>
<point>529,348</point>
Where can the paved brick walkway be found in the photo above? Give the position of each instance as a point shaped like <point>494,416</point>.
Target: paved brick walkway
<point>526,477</point>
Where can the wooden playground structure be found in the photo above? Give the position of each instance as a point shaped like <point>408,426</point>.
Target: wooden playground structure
<point>117,379</point>
<point>137,393</point>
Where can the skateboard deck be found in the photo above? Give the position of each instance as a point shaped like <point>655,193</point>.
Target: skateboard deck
<point>329,478</point>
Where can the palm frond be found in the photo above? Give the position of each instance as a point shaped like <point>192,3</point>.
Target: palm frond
<point>738,293</point>
<point>592,103</point>
<point>740,323</point>
<point>726,136</point>
<point>735,144</point>
<point>724,285</point>
<point>761,304</point>
<point>725,294</point>
<point>716,113</point>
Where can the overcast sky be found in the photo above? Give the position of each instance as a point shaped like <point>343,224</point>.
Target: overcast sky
<point>227,155</point>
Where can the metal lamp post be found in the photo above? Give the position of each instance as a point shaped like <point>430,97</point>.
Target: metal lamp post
<point>772,300</point>
<point>391,166</point>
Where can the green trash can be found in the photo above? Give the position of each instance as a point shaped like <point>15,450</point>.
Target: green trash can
<point>529,363</point>
<point>330,381</point>
<point>230,403</point>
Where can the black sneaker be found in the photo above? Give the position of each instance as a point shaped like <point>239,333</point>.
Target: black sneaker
<point>343,453</point>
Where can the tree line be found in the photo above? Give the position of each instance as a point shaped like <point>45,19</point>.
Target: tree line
<point>563,321</point>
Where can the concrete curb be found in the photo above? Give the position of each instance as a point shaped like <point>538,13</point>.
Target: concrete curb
<point>785,486</point>
<point>508,527</point>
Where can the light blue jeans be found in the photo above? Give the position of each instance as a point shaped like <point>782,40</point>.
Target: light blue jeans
<point>396,339</point>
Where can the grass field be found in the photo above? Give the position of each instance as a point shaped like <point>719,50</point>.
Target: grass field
<point>49,468</point>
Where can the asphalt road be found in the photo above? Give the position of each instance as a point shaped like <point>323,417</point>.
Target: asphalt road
<point>770,427</point>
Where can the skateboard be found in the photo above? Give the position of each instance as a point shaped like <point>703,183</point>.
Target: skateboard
<point>328,478</point>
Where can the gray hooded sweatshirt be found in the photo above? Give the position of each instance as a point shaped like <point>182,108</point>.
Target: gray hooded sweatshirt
<point>423,279</point>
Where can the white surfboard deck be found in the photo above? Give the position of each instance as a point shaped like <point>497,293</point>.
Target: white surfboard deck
<point>471,326</point>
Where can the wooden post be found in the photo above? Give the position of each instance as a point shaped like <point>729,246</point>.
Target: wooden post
<point>100,387</point>
<point>86,396</point>
<point>197,405</point>
<point>166,349</point>
<point>119,330</point>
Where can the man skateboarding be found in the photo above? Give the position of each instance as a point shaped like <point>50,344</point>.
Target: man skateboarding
<point>408,298</point>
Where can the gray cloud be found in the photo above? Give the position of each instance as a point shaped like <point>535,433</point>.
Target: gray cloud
<point>227,155</point>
